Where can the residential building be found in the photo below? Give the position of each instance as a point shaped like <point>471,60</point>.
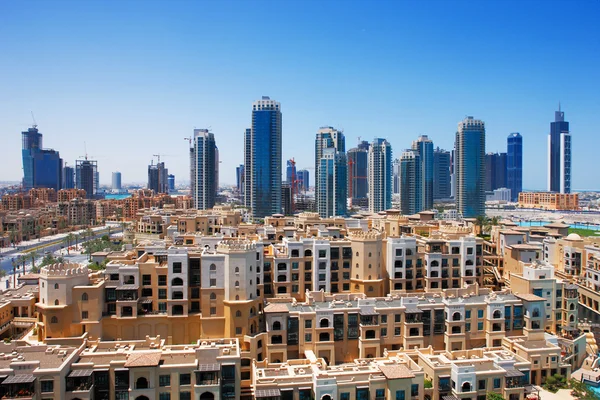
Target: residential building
<point>116,181</point>
<point>514,165</point>
<point>327,137</point>
<point>358,166</point>
<point>559,154</point>
<point>158,177</point>
<point>332,183</point>
<point>410,182</point>
<point>469,167</point>
<point>549,200</point>
<point>441,174</point>
<point>396,176</point>
<point>86,176</point>
<point>262,159</point>
<point>205,186</point>
<point>380,175</point>
<point>424,146</point>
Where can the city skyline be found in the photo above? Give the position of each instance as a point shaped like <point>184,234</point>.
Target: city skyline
<point>509,98</point>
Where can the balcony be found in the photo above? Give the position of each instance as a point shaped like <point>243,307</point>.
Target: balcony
<point>19,387</point>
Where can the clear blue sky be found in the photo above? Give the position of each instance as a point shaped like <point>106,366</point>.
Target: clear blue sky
<point>133,78</point>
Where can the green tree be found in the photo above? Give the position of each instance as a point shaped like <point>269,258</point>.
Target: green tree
<point>555,382</point>
<point>33,255</point>
<point>493,396</point>
<point>2,273</point>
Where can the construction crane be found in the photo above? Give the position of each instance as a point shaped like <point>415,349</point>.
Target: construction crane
<point>293,183</point>
<point>159,155</point>
<point>34,122</point>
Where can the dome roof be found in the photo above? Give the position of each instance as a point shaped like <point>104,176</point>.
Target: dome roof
<point>573,236</point>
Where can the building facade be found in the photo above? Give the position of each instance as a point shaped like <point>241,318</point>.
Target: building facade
<point>559,154</point>
<point>116,181</point>
<point>333,180</point>
<point>469,167</point>
<point>441,174</point>
<point>410,182</point>
<point>380,175</point>
<point>42,168</point>
<point>514,165</point>
<point>205,186</point>
<point>424,146</point>
<point>549,200</point>
<point>358,167</point>
<point>158,177</point>
<point>86,177</point>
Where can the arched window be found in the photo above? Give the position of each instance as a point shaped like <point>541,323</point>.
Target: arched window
<point>307,253</point>
<point>456,316</point>
<point>469,262</point>
<point>238,314</point>
<point>251,268</point>
<point>56,286</point>
<point>237,270</point>
<point>141,383</point>
<point>369,277</point>
<point>54,320</point>
<point>369,254</point>
<point>572,318</point>
<point>237,297</point>
<point>435,263</point>
<point>356,276</point>
<point>207,396</point>
<point>84,297</point>
<point>466,387</point>
<point>177,282</point>
<point>237,283</point>
<point>497,314</point>
<point>572,307</point>
<point>250,281</point>
<point>56,302</point>
<point>213,296</point>
<point>213,267</point>
<point>371,288</point>
<point>276,326</point>
<point>324,323</point>
<point>258,281</point>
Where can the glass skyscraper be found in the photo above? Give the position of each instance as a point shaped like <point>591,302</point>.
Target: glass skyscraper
<point>262,159</point>
<point>303,180</point>
<point>559,154</point>
<point>358,165</point>
<point>204,183</point>
<point>68,178</point>
<point>495,171</point>
<point>441,174</point>
<point>42,168</point>
<point>86,177</point>
<point>514,165</point>
<point>327,137</point>
<point>158,178</point>
<point>469,167</point>
<point>411,182</point>
<point>291,175</point>
<point>333,182</point>
<point>424,146</point>
<point>380,175</point>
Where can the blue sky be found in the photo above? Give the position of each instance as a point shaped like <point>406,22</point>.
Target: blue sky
<point>133,78</point>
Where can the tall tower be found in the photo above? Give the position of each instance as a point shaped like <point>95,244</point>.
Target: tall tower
<point>86,176</point>
<point>291,175</point>
<point>239,178</point>
<point>332,180</point>
<point>441,174</point>
<point>42,168</point>
<point>396,176</point>
<point>469,167</point>
<point>358,163</point>
<point>514,165</point>
<point>424,146</point>
<point>262,159</point>
<point>559,154</point>
<point>204,183</point>
<point>116,181</point>
<point>411,182</point>
<point>158,177</point>
<point>327,137</point>
<point>380,175</point>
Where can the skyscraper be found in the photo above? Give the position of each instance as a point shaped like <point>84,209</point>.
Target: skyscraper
<point>559,154</point>
<point>380,175</point>
<point>332,194</point>
<point>303,180</point>
<point>441,174</point>
<point>327,137</point>
<point>205,188</point>
<point>291,175</point>
<point>262,159</point>
<point>158,177</point>
<point>469,167</point>
<point>424,146</point>
<point>42,168</point>
<point>116,181</point>
<point>171,178</point>
<point>217,162</point>
<point>514,165</point>
<point>495,171</point>
<point>239,178</point>
<point>411,182</point>
<point>68,177</point>
<point>358,163</point>
<point>86,177</point>
<point>396,176</point>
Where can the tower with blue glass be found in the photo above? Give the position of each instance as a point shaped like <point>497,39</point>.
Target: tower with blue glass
<point>469,168</point>
<point>559,154</point>
<point>424,146</point>
<point>331,171</point>
<point>42,168</point>
<point>514,165</point>
<point>380,175</point>
<point>411,182</point>
<point>262,159</point>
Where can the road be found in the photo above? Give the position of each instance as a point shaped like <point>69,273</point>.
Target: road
<point>50,244</point>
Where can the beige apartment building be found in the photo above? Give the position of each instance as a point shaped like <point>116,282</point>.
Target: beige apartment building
<point>549,200</point>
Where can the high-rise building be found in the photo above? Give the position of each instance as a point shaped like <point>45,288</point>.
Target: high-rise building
<point>441,174</point>
<point>192,171</point>
<point>332,195</point>
<point>42,168</point>
<point>358,163</point>
<point>303,180</point>
<point>239,178</point>
<point>559,154</point>
<point>286,198</point>
<point>116,181</point>
<point>68,177</point>
<point>158,177</point>
<point>291,175</point>
<point>424,146</point>
<point>514,165</point>
<point>495,171</point>
<point>171,178</point>
<point>262,159</point>
<point>396,176</point>
<point>217,162</point>
<point>86,176</point>
<point>411,182</point>
<point>380,175</point>
<point>205,187</point>
<point>469,167</point>
<point>327,137</point>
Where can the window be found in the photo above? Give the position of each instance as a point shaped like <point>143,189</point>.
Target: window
<point>308,337</point>
<point>47,386</point>
<point>396,331</point>
<point>213,267</point>
<point>176,267</point>
<point>84,297</point>
<point>146,280</point>
<point>481,384</point>
<point>345,396</point>
<point>185,396</point>
<point>480,326</point>
<point>479,313</point>
<point>147,292</point>
<point>322,253</point>
<point>380,393</point>
<point>164,380</point>
<point>238,314</point>
<point>162,396</point>
<point>383,331</point>
<point>184,379</point>
<point>414,390</point>
<point>400,395</point>
<point>84,315</point>
<point>56,302</point>
<point>54,320</point>
<point>497,382</point>
<point>213,282</point>
<point>397,317</point>
<point>237,283</point>
<point>308,323</point>
<point>237,270</point>
<point>162,280</point>
<point>213,311</point>
<point>195,293</point>
<point>238,330</point>
<point>56,286</point>
<point>162,293</point>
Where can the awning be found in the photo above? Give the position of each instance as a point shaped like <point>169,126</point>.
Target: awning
<point>413,310</point>
<point>368,312</point>
<point>450,397</point>
<point>208,367</point>
<point>128,287</point>
<point>145,300</point>
<point>80,373</point>
<point>24,378</point>
<point>267,393</point>
<point>513,373</point>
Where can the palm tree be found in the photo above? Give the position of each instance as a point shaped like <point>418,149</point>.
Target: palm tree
<point>89,232</point>
<point>33,255</point>
<point>480,222</point>
<point>14,264</point>
<point>38,230</point>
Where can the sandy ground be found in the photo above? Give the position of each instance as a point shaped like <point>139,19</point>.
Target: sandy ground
<point>562,394</point>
